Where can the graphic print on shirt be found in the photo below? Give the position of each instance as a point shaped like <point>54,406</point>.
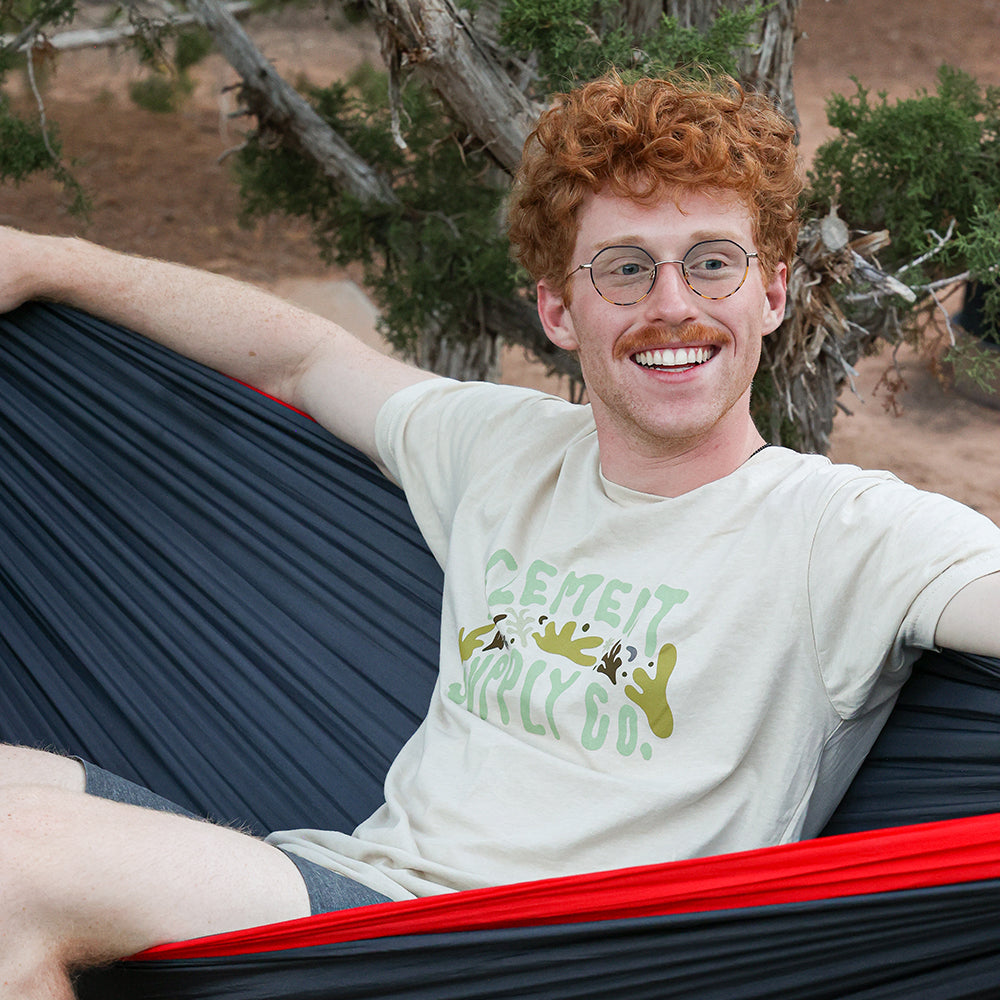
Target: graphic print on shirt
<point>570,657</point>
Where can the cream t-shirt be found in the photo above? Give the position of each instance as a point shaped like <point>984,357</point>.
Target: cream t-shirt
<point>628,679</point>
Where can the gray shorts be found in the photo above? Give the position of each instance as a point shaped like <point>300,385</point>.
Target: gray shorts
<point>327,890</point>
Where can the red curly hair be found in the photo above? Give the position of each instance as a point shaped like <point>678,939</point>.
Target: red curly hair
<point>650,139</point>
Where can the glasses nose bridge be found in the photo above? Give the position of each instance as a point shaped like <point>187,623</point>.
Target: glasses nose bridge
<point>657,264</point>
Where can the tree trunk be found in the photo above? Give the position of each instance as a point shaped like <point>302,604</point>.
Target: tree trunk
<point>467,359</point>
<point>765,65</point>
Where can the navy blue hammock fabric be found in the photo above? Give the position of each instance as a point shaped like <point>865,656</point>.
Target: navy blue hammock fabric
<point>202,590</point>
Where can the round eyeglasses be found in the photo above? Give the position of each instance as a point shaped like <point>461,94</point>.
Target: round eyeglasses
<point>713,269</point>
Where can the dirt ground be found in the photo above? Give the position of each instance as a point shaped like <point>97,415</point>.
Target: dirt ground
<point>161,186</point>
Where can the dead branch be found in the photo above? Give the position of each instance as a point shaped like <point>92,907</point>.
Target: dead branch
<point>458,63</point>
<point>279,107</point>
<point>90,38</point>
<point>812,355</point>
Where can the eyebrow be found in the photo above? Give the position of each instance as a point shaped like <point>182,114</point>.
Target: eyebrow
<point>699,237</point>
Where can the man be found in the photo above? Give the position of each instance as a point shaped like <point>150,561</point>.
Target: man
<point>659,638</point>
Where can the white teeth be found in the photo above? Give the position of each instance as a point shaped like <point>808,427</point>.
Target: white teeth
<point>674,359</point>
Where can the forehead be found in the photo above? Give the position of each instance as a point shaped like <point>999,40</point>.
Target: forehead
<point>667,225</point>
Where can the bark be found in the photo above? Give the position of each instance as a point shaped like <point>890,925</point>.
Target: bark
<point>468,358</point>
<point>476,354</point>
<point>462,66</point>
<point>765,65</point>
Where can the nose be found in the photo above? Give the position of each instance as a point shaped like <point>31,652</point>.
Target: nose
<point>671,298</point>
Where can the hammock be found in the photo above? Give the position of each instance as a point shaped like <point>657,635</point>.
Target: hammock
<point>203,591</point>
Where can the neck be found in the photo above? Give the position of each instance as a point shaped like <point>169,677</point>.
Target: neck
<point>672,468</point>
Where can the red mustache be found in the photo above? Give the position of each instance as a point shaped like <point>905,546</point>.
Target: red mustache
<point>649,338</point>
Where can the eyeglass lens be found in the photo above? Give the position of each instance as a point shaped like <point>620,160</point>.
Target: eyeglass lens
<point>714,269</point>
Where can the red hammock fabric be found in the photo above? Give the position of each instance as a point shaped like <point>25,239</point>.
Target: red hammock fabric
<point>944,853</point>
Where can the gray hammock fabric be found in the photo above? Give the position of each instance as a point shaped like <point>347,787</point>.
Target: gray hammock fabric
<point>203,591</point>
<point>179,552</point>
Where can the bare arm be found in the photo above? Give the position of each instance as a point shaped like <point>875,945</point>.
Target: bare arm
<point>971,620</point>
<point>303,359</point>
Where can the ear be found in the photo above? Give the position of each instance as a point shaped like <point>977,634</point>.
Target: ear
<point>774,300</point>
<point>556,319</point>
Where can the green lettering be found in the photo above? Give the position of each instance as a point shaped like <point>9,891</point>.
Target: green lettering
<point>586,584</point>
<point>607,606</point>
<point>558,687</point>
<point>534,588</point>
<point>640,602</point>
<point>596,723</point>
<point>500,596</point>
<point>669,598</point>
<point>477,667</point>
<point>460,693</point>
<point>508,684</point>
<point>628,730</point>
<point>529,682</point>
<point>495,673</point>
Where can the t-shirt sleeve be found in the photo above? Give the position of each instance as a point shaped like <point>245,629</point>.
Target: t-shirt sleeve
<point>436,436</point>
<point>885,561</point>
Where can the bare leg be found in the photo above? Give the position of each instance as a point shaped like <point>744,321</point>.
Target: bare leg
<point>85,880</point>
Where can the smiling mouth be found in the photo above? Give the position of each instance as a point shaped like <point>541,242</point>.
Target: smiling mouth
<point>667,359</point>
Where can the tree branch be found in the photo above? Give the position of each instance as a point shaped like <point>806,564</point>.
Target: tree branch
<point>279,106</point>
<point>455,61</point>
<point>91,38</point>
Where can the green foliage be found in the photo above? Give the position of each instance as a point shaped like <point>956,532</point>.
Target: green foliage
<point>26,149</point>
<point>150,37</point>
<point>976,362</point>
<point>30,146</point>
<point>977,246</point>
<point>169,84</point>
<point>773,423</point>
<point>919,167</point>
<point>576,40</point>
<point>14,14</point>
<point>192,45</point>
<point>22,146</point>
<point>158,92</point>
<point>913,166</point>
<point>437,258</point>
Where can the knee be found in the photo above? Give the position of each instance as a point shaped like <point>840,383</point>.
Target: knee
<point>30,973</point>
